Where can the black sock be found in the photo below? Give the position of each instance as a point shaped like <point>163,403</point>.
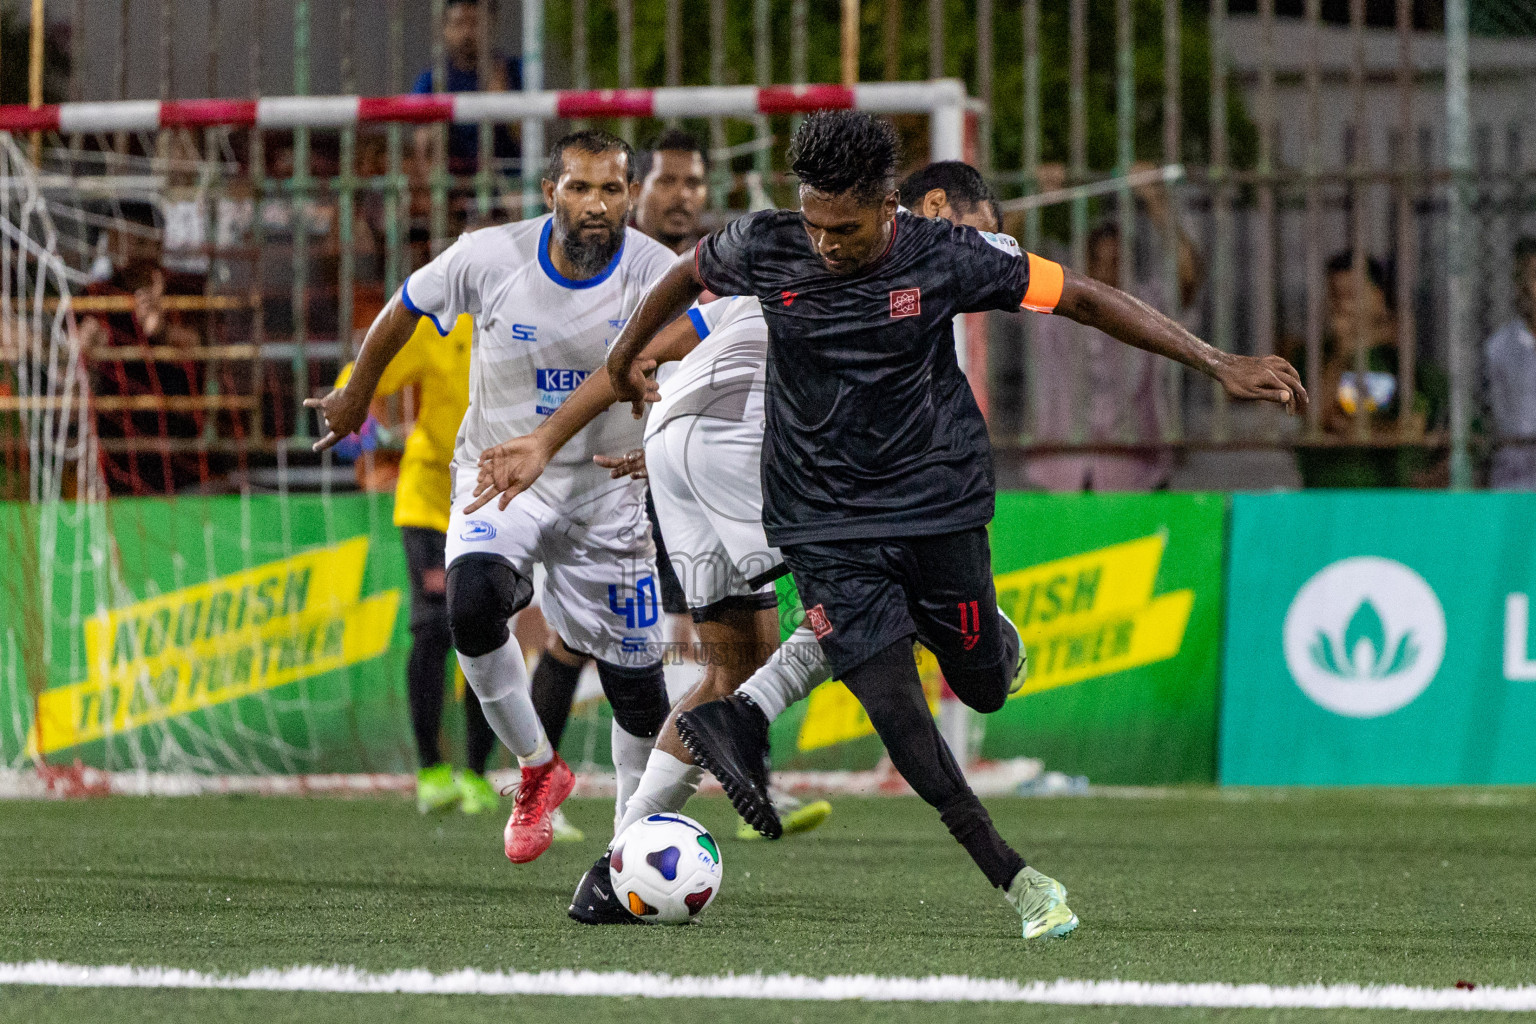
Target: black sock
<point>888,687</point>
<point>424,675</point>
<point>554,688</point>
<point>479,737</point>
<point>972,828</point>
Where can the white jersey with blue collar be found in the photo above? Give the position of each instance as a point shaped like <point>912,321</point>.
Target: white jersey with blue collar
<point>722,378</point>
<point>537,336</point>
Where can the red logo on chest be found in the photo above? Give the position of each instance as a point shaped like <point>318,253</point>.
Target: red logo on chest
<point>906,302</point>
<point>817,617</point>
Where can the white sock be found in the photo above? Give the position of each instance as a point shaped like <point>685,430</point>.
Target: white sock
<point>795,669</point>
<point>500,680</point>
<point>666,786</point>
<point>629,756</point>
<point>542,755</point>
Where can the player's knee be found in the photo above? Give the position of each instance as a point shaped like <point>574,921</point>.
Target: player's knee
<point>983,690</point>
<point>484,591</point>
<point>638,695</point>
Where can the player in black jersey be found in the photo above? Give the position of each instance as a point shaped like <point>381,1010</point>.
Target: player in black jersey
<point>877,470</point>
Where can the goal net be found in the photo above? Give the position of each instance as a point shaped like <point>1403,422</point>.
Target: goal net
<point>169,605</point>
<point>191,592</point>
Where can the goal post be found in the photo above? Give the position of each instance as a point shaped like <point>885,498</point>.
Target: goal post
<point>121,643</point>
<point>943,99</point>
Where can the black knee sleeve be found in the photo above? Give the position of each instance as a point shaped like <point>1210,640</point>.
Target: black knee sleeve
<point>484,591</point>
<point>638,696</point>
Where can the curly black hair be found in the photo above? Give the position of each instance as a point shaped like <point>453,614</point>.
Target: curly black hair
<point>838,151</point>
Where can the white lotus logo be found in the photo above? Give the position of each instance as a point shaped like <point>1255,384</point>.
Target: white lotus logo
<point>1364,637</point>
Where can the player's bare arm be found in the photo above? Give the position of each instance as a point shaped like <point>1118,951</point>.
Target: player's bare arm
<point>1126,318</point>
<point>346,407</point>
<point>668,298</point>
<point>511,467</point>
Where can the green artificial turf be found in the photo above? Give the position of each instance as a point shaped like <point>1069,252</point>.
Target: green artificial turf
<point>1420,887</point>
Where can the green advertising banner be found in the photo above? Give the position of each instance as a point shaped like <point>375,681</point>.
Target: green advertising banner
<point>1118,598</point>
<point>221,634</point>
<point>270,634</point>
<point>1380,638</point>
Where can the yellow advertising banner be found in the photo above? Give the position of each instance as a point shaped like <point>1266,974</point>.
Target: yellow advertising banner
<point>213,642</point>
<point>1094,614</point>
<point>1080,617</point>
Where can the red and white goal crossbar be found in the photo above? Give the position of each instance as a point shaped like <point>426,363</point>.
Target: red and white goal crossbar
<point>943,99</point>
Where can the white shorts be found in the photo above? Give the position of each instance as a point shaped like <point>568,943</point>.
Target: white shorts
<point>707,486</point>
<point>600,591</point>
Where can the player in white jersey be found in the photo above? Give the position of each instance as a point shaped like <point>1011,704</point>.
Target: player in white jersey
<point>702,448</point>
<point>548,296</point>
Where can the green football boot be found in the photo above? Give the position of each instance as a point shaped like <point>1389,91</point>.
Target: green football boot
<point>478,794</point>
<point>797,817</point>
<point>564,831</point>
<point>1042,902</point>
<point>436,789</point>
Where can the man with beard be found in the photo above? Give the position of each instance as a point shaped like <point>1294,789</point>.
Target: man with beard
<point>672,193</point>
<point>548,296</point>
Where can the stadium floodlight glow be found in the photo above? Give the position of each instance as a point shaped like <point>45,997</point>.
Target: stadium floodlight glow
<point>942,99</point>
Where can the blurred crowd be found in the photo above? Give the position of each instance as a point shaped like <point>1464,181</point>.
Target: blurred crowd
<point>1097,416</point>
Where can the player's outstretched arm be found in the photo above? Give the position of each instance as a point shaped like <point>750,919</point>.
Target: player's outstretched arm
<point>672,293</point>
<point>1128,319</point>
<point>345,408</point>
<point>511,467</point>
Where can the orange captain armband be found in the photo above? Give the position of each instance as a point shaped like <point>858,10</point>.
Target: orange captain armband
<point>1045,282</point>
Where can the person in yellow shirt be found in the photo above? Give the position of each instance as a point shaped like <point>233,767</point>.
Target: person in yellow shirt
<point>439,367</point>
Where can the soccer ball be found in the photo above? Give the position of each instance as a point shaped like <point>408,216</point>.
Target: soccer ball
<point>665,869</point>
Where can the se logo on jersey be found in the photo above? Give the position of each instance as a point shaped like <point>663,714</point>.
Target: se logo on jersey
<point>555,386</point>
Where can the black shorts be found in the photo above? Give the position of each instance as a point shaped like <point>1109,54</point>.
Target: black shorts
<point>861,596</point>
<point>673,600</point>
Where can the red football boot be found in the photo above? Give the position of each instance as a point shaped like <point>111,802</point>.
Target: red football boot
<point>529,831</point>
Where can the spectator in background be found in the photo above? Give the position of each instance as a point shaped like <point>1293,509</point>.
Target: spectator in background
<point>140,410</point>
<point>461,38</point>
<point>1339,397</point>
<point>674,187</point>
<point>1509,357</point>
<point>1122,398</point>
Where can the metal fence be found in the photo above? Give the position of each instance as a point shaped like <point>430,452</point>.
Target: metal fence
<point>1276,142</point>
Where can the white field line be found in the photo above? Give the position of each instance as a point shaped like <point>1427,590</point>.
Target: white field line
<point>934,989</point>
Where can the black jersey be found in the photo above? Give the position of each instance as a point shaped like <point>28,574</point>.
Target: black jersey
<point>872,430</point>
